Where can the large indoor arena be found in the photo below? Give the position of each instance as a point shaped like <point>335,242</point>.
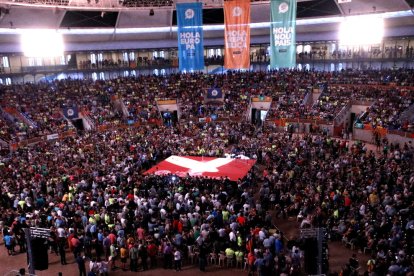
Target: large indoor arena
<point>226,137</point>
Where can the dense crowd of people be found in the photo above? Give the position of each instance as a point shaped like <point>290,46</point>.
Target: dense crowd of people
<point>39,106</point>
<point>90,190</point>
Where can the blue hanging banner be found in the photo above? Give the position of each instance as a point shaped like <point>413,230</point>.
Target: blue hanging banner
<point>214,93</point>
<point>71,112</point>
<point>190,36</point>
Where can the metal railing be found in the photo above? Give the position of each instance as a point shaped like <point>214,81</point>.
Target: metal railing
<point>342,114</point>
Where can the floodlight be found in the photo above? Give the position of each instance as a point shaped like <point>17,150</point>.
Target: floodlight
<point>42,43</point>
<point>361,30</point>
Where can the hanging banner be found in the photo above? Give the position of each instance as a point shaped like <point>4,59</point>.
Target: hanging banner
<point>214,93</point>
<point>282,34</point>
<point>237,34</point>
<point>190,36</point>
<point>71,112</point>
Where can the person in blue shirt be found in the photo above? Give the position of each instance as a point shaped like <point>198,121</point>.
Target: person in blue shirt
<point>278,245</point>
<point>260,264</point>
<point>9,243</point>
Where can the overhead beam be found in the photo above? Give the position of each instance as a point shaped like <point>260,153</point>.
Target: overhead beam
<point>339,7</point>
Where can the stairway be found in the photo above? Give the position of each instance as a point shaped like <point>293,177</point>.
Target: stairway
<point>88,123</point>
<point>20,116</point>
<point>308,100</point>
<point>119,105</point>
<point>408,114</point>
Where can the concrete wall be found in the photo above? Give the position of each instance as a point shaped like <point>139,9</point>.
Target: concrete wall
<point>363,135</point>
<point>261,105</point>
<point>367,136</point>
<point>393,138</point>
<point>167,107</point>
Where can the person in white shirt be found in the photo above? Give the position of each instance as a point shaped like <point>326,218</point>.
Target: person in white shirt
<point>61,232</point>
<point>232,236</point>
<point>94,266</point>
<point>177,260</point>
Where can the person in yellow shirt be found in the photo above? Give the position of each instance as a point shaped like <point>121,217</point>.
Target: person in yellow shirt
<point>226,215</point>
<point>373,199</point>
<point>229,253</point>
<point>65,197</point>
<point>239,256</point>
<point>123,252</point>
<point>22,204</point>
<point>239,240</point>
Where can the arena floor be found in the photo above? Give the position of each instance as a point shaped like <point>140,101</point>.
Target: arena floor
<point>339,256</point>
<point>11,264</point>
<point>338,253</point>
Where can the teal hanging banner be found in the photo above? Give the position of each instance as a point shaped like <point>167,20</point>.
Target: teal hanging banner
<point>190,36</point>
<point>282,34</point>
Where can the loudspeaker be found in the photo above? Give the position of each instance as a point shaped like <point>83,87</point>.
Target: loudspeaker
<point>253,117</point>
<point>258,117</point>
<point>40,256</point>
<point>311,256</point>
<point>78,123</point>
<point>175,116</point>
<point>351,125</point>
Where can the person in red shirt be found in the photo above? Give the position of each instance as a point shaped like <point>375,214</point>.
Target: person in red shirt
<point>112,238</point>
<point>140,233</point>
<point>347,202</point>
<point>76,245</point>
<point>180,227</point>
<point>241,220</point>
<point>70,237</point>
<point>251,258</point>
<point>130,196</point>
<point>152,252</point>
<point>175,224</point>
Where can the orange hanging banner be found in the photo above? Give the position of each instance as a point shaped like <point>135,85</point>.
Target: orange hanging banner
<point>237,34</point>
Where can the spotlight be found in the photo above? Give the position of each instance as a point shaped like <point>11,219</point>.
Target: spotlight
<point>361,30</point>
<point>151,13</point>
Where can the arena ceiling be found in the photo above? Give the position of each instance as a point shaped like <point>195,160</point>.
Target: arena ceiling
<point>117,21</point>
